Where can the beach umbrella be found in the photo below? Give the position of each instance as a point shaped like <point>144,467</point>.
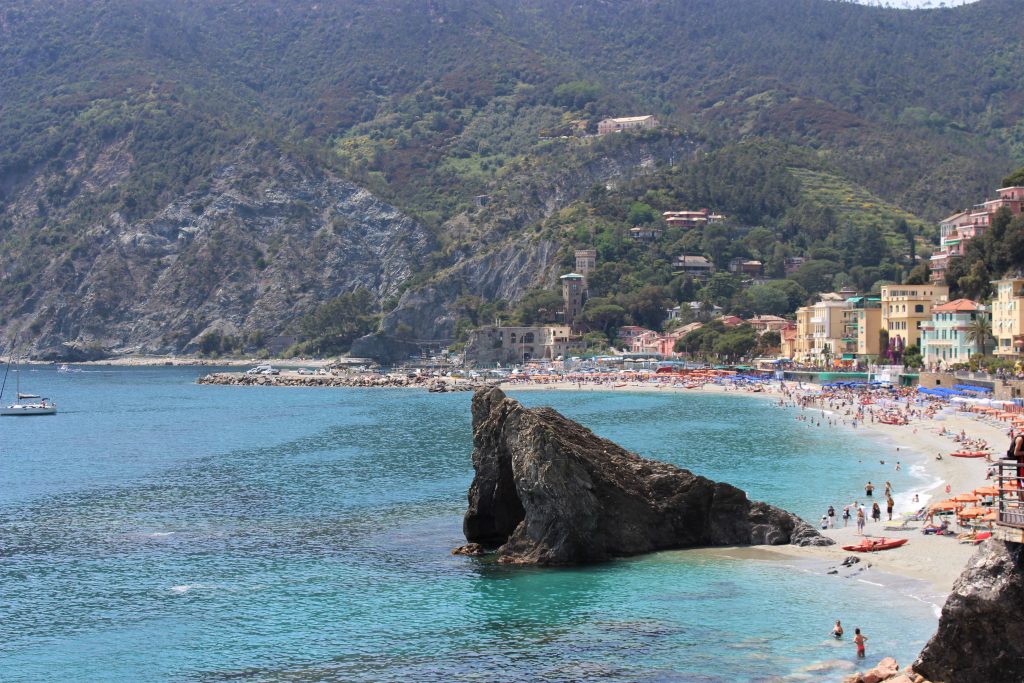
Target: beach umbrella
<point>964,498</point>
<point>987,491</point>
<point>990,516</point>
<point>944,505</point>
<point>970,512</point>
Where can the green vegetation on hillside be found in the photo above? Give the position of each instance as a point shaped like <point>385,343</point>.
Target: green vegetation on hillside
<point>830,131</point>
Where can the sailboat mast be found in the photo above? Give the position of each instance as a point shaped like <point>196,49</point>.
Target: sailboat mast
<point>10,360</point>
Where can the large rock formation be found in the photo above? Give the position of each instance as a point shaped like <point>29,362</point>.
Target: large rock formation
<point>980,638</point>
<point>549,491</point>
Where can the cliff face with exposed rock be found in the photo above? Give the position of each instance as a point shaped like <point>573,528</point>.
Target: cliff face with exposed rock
<point>548,491</point>
<point>254,251</point>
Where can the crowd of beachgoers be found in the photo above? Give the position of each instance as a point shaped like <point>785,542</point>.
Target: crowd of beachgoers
<point>918,430</point>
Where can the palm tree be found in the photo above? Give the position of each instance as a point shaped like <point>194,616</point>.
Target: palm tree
<point>978,331</point>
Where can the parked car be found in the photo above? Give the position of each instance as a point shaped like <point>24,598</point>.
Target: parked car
<point>259,370</point>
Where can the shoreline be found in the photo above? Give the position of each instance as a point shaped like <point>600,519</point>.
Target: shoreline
<point>936,560</point>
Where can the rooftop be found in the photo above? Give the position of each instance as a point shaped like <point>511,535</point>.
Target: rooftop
<point>958,305</point>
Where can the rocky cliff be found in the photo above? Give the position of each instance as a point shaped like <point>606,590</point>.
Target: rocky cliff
<point>548,491</point>
<point>256,249</point>
<point>503,262</point>
<point>980,638</point>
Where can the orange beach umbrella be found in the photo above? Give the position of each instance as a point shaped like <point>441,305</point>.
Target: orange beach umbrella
<point>965,498</point>
<point>973,512</point>
<point>987,491</point>
<point>944,505</point>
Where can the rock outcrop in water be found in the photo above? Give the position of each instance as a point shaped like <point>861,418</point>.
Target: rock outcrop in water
<point>548,491</point>
<point>980,638</point>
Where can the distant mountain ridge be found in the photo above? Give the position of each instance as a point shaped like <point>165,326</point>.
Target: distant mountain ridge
<point>115,115</point>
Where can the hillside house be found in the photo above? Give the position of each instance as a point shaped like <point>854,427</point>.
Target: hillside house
<point>695,266</point>
<point>768,323</point>
<point>793,263</point>
<point>646,233</point>
<point>691,219</point>
<point>960,228</point>
<point>744,266</point>
<point>617,125</point>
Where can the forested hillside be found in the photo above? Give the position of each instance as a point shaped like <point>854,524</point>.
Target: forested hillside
<point>140,138</point>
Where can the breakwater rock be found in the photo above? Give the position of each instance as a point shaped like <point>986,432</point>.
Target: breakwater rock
<point>289,379</point>
<point>549,491</point>
<point>981,634</point>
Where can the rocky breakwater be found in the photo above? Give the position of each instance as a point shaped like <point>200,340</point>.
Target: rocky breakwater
<point>432,384</point>
<point>548,491</point>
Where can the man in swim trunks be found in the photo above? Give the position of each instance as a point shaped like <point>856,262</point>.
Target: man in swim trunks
<point>869,489</point>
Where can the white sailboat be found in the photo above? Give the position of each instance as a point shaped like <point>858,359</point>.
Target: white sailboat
<point>25,404</point>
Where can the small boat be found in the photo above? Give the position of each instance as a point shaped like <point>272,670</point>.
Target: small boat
<point>25,404</point>
<point>892,421</point>
<point>870,545</point>
<point>969,454</point>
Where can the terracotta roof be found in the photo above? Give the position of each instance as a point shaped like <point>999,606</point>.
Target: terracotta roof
<point>958,305</point>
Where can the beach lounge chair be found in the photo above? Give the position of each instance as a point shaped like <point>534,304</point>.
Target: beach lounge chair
<point>916,516</point>
<point>940,530</point>
<point>898,525</point>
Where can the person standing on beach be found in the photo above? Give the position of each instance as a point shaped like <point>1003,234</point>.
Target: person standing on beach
<point>860,639</point>
<point>831,517</point>
<point>888,506</point>
<point>846,516</point>
<point>869,489</point>
<point>860,521</point>
<point>876,512</point>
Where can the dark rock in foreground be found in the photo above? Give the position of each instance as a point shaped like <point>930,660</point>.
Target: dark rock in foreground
<point>980,638</point>
<point>548,491</point>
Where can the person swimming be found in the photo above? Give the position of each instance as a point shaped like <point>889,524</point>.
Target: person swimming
<point>837,630</point>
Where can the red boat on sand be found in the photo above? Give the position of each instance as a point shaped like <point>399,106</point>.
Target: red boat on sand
<point>969,454</point>
<point>870,545</point>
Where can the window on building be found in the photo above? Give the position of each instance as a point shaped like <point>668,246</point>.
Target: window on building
<point>919,308</point>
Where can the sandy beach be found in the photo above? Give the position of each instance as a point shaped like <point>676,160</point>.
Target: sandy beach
<point>937,560</point>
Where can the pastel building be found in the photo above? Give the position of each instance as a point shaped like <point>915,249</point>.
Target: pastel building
<point>1008,316</point>
<point>960,228</point>
<point>944,338</point>
<point>514,345</point>
<point>691,219</point>
<point>618,125</point>
<point>905,308</point>
<point>866,325</point>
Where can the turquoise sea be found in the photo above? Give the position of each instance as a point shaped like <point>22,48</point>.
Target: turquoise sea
<point>157,530</point>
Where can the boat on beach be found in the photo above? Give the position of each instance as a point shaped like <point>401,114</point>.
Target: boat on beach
<point>969,454</point>
<point>870,545</point>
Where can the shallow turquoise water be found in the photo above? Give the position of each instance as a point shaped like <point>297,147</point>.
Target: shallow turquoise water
<point>159,530</point>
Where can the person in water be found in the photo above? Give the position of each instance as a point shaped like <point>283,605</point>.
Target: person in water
<point>859,638</point>
<point>837,630</point>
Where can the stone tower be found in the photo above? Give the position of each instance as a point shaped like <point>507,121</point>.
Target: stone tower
<point>573,287</point>
<point>586,261</point>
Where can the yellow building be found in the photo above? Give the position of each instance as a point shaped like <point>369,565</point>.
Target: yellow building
<point>829,318</point>
<point>1008,316</point>
<point>804,341</point>
<point>905,308</point>
<point>869,324</point>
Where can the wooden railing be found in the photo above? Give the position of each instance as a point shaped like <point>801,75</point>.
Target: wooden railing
<point>1011,493</point>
